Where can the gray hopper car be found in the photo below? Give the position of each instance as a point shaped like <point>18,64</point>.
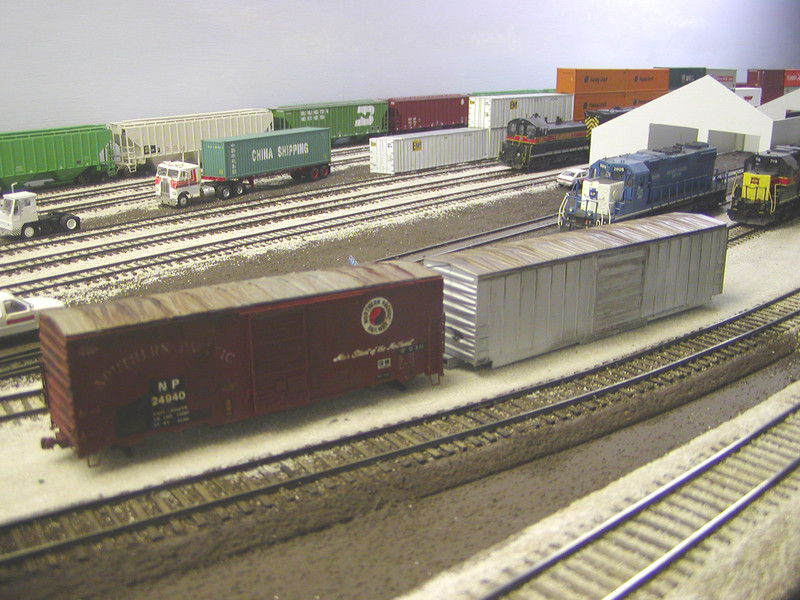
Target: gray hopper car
<point>516,300</point>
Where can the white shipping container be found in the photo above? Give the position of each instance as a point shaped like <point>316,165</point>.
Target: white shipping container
<point>496,138</point>
<point>491,112</point>
<point>726,77</point>
<point>426,150</point>
<point>751,95</point>
<point>149,141</point>
<point>510,301</point>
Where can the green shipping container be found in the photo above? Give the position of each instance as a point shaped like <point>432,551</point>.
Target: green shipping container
<point>680,76</point>
<point>263,153</point>
<point>54,155</point>
<point>357,118</point>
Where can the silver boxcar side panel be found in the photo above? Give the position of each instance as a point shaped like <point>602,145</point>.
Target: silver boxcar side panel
<point>511,301</point>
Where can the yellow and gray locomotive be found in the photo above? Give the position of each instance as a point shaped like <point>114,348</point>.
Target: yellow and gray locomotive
<point>769,187</point>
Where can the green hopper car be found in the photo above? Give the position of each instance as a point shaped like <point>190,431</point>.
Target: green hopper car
<point>62,155</point>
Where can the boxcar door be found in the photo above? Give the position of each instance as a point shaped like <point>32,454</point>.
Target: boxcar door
<point>278,341</point>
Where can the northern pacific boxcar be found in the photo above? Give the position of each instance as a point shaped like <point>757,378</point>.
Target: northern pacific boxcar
<point>511,301</point>
<point>417,113</point>
<point>117,372</point>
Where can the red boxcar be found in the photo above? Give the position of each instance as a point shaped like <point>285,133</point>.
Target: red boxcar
<point>416,113</point>
<point>117,372</point>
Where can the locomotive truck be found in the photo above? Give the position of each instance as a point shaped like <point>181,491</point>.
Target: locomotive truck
<point>230,163</point>
<point>19,215</point>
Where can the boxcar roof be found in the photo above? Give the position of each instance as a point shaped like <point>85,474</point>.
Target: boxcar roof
<point>500,258</point>
<point>91,318</point>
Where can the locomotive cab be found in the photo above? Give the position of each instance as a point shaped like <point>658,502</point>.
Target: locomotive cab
<point>768,185</point>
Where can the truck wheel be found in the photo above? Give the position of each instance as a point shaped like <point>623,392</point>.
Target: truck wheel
<point>238,188</point>
<point>69,223</point>
<point>313,174</point>
<point>28,231</point>
<point>183,200</point>
<point>224,192</point>
<point>324,171</point>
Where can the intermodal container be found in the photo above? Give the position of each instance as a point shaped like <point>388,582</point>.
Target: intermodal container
<point>765,78</point>
<point>357,118</point>
<point>751,95</point>
<point>590,81</point>
<point>124,370</point>
<point>139,142</point>
<point>791,78</point>
<point>770,93</point>
<point>54,155</point>
<point>680,76</point>
<point>634,99</point>
<point>491,112</point>
<point>417,113</point>
<point>646,80</point>
<point>726,77</point>
<point>584,102</point>
<point>263,153</point>
<point>427,149</point>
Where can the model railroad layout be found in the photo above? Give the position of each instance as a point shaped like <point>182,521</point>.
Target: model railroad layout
<point>513,428</point>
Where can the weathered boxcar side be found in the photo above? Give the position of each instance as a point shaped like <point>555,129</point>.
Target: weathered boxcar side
<point>118,372</point>
<point>511,301</point>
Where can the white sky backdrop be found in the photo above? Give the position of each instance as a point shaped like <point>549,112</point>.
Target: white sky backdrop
<point>86,61</point>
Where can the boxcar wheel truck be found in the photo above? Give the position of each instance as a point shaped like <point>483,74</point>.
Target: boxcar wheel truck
<point>230,163</point>
<point>19,215</point>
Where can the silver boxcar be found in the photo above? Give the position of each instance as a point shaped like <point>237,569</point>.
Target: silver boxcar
<point>515,300</point>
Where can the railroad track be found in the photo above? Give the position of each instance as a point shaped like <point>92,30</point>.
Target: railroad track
<point>200,238</point>
<point>20,360</point>
<point>647,547</point>
<point>19,405</point>
<point>274,483</point>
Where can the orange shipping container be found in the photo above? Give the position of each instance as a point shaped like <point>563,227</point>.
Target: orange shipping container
<point>589,81</point>
<point>584,102</point>
<point>639,98</point>
<point>646,80</point>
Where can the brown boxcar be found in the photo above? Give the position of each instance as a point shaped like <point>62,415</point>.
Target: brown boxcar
<point>416,113</point>
<point>117,372</point>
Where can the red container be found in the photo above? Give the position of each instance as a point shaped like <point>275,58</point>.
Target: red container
<point>589,81</point>
<point>770,93</point>
<point>417,113</point>
<point>765,78</point>
<point>791,78</point>
<point>584,102</point>
<point>646,80</point>
<point>118,372</point>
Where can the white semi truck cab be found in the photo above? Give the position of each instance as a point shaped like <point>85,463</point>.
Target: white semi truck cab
<point>20,216</point>
<point>177,182</point>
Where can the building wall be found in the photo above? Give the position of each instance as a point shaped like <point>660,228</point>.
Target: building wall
<point>705,105</point>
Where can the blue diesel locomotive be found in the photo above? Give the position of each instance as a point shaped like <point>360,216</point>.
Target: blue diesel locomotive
<point>681,177</point>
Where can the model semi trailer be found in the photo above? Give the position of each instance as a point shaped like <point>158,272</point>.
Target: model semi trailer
<point>228,164</point>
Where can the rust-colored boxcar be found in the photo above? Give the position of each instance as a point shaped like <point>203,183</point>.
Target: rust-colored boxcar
<point>416,113</point>
<point>118,372</point>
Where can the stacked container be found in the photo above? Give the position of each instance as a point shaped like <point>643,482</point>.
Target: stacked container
<point>771,82</point>
<point>726,77</point>
<point>596,89</point>
<point>426,150</point>
<point>493,112</point>
<point>791,80</point>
